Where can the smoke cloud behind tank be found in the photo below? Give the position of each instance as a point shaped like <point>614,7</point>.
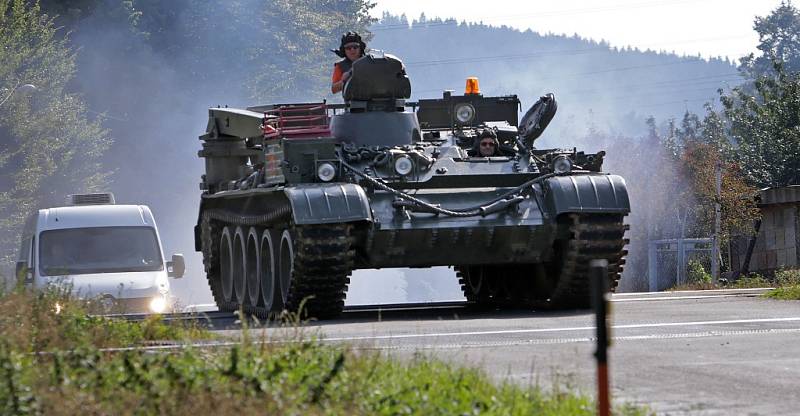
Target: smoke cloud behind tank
<point>154,88</point>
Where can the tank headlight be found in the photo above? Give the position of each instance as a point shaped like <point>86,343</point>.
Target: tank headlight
<point>326,172</point>
<point>403,165</point>
<point>562,164</point>
<point>465,113</point>
<point>158,304</point>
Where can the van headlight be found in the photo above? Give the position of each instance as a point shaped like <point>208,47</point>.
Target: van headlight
<point>403,165</point>
<point>326,172</point>
<point>158,304</point>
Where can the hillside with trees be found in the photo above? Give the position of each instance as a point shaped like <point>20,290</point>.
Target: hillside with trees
<point>611,89</point>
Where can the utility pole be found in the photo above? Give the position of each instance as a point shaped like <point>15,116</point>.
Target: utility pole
<point>717,220</point>
<point>599,281</point>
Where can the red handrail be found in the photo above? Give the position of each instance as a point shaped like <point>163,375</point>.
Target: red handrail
<point>284,121</point>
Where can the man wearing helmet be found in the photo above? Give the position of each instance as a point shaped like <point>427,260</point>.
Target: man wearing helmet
<point>350,49</point>
<point>487,145</point>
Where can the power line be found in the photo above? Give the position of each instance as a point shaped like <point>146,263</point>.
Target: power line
<point>590,10</point>
<point>658,85</point>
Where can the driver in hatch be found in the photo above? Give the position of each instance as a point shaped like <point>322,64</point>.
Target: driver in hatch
<point>487,145</point>
<point>350,49</point>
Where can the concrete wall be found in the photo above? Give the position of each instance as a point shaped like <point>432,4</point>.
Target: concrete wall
<point>777,243</point>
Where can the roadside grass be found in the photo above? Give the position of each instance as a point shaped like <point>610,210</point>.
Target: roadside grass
<point>788,281</point>
<point>53,320</point>
<point>785,284</point>
<point>784,293</point>
<point>64,364</point>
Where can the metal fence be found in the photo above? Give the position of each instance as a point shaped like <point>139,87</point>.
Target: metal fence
<point>668,260</point>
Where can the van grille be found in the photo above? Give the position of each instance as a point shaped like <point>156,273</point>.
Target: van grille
<point>91,199</point>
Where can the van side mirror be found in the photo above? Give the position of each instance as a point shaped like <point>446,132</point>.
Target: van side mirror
<point>24,274</point>
<point>177,267</point>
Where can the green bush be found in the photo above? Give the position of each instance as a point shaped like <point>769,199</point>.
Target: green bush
<point>696,273</point>
<point>753,280</point>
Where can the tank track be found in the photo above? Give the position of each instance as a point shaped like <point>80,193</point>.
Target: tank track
<point>322,264</point>
<point>323,260</point>
<point>594,236</point>
<point>562,283</point>
<point>210,232</point>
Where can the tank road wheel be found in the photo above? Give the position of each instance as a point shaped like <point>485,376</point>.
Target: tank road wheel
<point>565,283</point>
<point>252,267</point>
<point>314,263</point>
<point>268,280</point>
<point>238,260</point>
<point>226,270</point>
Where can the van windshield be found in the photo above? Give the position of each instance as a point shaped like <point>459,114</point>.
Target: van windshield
<point>99,250</point>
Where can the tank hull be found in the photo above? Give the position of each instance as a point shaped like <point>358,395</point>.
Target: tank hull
<point>384,235</point>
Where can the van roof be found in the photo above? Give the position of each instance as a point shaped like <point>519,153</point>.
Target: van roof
<point>95,216</point>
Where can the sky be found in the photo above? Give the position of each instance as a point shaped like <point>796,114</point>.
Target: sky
<point>709,28</point>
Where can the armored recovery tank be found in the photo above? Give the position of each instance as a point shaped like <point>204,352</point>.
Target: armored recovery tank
<point>296,196</point>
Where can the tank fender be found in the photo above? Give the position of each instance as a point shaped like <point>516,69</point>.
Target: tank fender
<point>328,203</point>
<point>198,233</point>
<point>586,193</point>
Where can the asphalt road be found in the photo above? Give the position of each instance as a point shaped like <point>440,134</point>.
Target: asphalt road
<point>699,353</point>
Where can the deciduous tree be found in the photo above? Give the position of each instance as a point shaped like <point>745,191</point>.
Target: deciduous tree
<point>48,146</point>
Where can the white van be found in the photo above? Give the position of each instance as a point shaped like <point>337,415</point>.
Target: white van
<point>102,250</point>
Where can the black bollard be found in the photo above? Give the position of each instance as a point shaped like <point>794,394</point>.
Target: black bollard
<point>599,277</point>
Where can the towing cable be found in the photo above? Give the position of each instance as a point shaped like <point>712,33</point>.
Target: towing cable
<point>408,201</point>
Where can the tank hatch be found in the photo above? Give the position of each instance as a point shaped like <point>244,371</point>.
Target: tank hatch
<point>375,112</point>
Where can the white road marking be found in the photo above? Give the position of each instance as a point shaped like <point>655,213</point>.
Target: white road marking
<point>739,295</point>
<point>568,329</point>
<point>551,341</point>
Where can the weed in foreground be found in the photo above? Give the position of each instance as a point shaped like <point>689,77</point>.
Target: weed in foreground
<point>54,320</point>
<point>56,364</point>
<point>297,378</point>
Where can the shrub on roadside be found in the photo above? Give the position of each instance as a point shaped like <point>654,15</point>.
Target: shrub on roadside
<point>787,277</point>
<point>697,274</point>
<point>753,280</point>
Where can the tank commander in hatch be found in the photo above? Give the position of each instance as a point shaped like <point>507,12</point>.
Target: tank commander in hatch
<point>487,145</point>
<point>350,49</point>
